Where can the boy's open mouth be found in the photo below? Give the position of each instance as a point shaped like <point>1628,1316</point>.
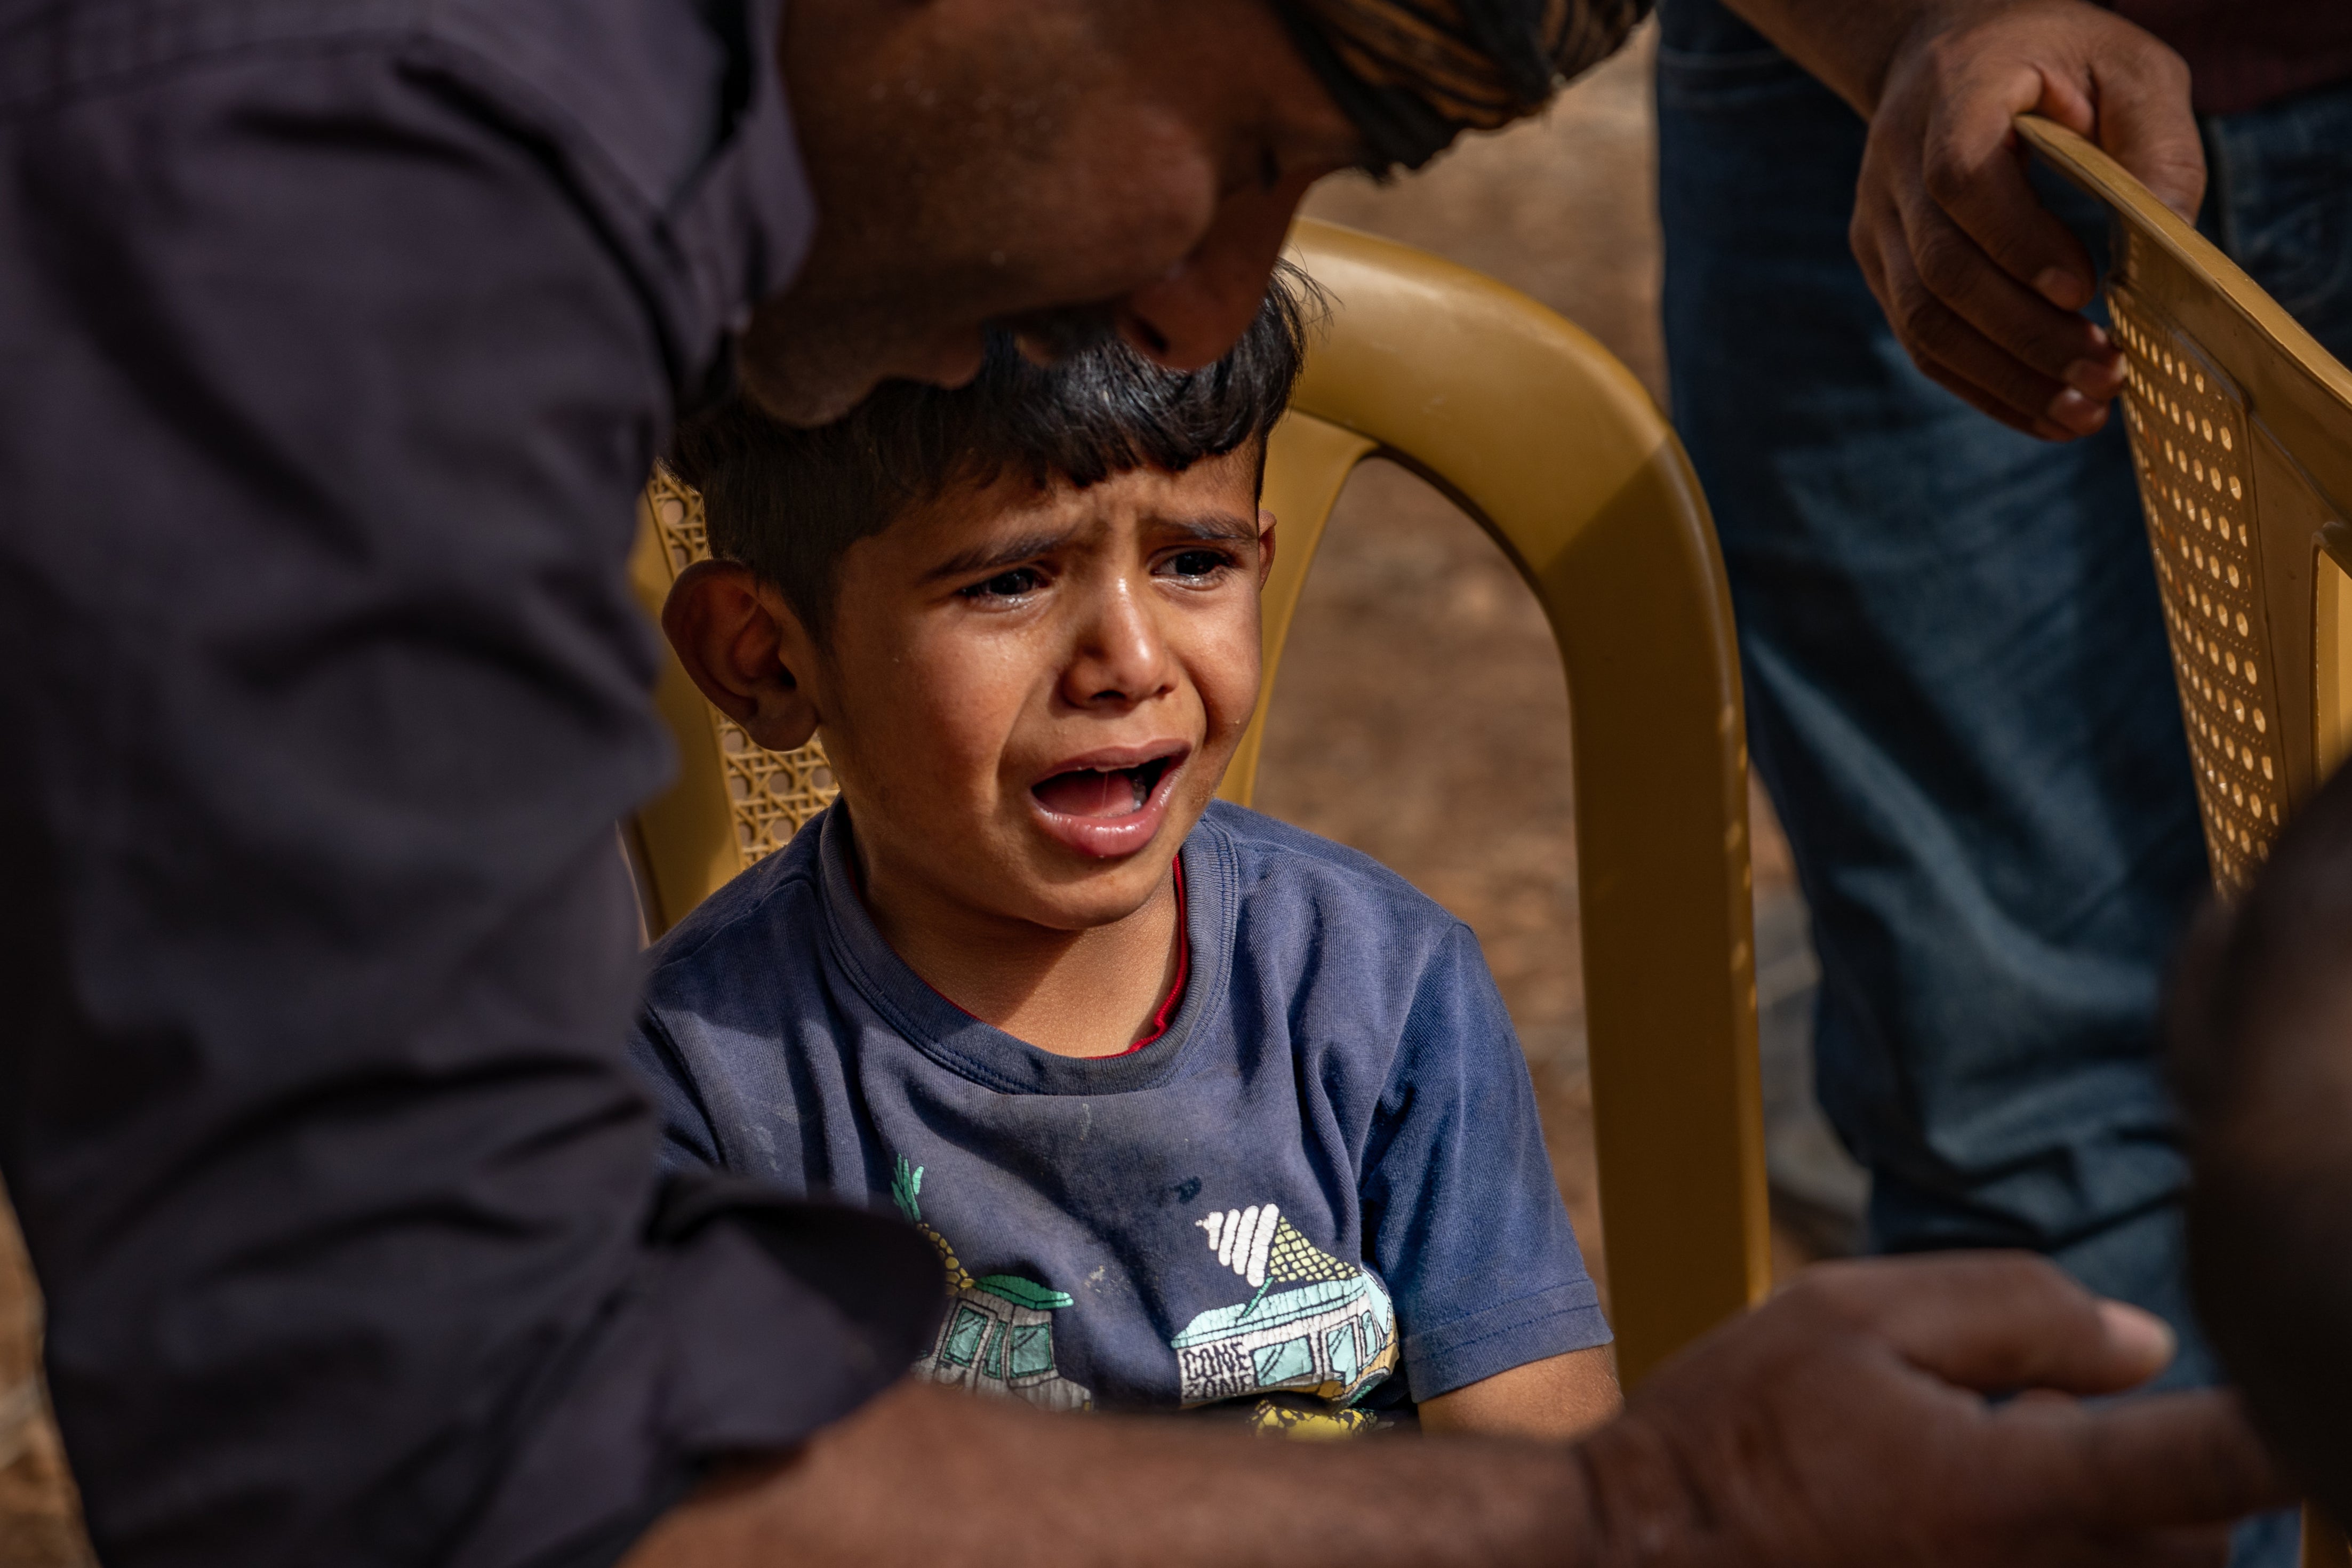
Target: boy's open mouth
<point>1102,791</point>
<point>1111,804</point>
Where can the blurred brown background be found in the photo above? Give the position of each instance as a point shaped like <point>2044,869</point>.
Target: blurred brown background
<point>1420,714</point>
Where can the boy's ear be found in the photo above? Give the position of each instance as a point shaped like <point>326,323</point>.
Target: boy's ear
<point>739,644</point>
<point>1264,545</point>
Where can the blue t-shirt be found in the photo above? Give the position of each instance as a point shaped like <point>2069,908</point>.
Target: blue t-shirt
<point>1325,1182</point>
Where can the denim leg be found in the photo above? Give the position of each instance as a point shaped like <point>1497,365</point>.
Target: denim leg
<point>2281,201</point>
<point>1959,697</point>
<point>1958,694</point>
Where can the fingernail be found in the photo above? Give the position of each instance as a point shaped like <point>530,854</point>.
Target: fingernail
<point>2094,378</point>
<point>2076,412</point>
<point>2099,336</point>
<point>2062,289</point>
<point>2148,1337</point>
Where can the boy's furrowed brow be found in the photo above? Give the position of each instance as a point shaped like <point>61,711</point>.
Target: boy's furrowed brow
<point>1210,525</point>
<point>997,554</point>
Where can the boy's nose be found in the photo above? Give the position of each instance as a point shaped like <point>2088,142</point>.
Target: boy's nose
<point>1120,658</point>
<point>1188,316</point>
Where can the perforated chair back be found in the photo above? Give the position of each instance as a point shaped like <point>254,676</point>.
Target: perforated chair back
<point>2241,428</point>
<point>1557,451</point>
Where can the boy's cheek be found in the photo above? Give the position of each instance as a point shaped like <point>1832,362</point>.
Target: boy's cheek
<point>1228,683</point>
<point>934,752</point>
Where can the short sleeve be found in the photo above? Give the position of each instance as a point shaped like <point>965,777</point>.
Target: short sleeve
<point>688,1143</point>
<point>1461,1214</point>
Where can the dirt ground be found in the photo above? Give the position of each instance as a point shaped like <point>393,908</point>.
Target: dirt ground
<point>1420,714</point>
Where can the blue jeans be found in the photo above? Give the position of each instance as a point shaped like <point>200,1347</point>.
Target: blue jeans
<point>1958,694</point>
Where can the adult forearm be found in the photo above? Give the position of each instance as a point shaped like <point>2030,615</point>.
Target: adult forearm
<point>1849,44</point>
<point>1836,1427</point>
<point>925,1476</point>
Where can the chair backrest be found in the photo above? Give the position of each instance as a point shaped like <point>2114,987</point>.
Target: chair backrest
<point>1558,453</point>
<point>732,804</point>
<point>2241,428</point>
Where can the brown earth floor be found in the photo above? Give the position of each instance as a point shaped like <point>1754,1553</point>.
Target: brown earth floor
<point>1420,714</point>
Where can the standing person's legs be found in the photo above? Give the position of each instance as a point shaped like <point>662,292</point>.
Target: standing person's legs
<point>2280,202</point>
<point>1959,696</point>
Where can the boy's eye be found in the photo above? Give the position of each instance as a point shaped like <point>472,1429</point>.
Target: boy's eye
<point>1199,563</point>
<point>1010,584</point>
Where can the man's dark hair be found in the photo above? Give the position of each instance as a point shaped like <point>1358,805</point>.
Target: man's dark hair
<point>787,502</point>
<point>2261,1020</point>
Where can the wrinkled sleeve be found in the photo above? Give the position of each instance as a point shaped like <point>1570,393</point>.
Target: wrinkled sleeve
<point>689,1143</point>
<point>324,407</point>
<point>1461,1212</point>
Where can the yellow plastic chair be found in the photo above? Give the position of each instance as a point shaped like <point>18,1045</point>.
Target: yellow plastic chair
<point>2241,428</point>
<point>1558,453</point>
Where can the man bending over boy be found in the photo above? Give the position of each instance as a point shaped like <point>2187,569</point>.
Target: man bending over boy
<point>1199,1110</point>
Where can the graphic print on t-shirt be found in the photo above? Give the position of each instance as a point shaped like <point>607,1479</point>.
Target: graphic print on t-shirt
<point>998,1337</point>
<point>1331,1337</point>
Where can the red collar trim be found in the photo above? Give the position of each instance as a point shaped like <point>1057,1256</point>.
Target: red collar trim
<point>1168,1004</point>
<point>1166,1012</point>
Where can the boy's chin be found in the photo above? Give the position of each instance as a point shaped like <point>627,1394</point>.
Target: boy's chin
<point>1104,892</point>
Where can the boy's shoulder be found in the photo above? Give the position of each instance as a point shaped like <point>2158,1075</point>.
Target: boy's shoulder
<point>1284,873</point>
<point>756,927</point>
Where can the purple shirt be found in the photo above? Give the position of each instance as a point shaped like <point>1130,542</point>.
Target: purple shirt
<point>336,338</point>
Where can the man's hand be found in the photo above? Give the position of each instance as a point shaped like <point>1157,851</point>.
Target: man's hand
<point>1982,283</point>
<point>1845,1423</point>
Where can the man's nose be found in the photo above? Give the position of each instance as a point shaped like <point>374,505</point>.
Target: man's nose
<point>1120,658</point>
<point>1188,316</point>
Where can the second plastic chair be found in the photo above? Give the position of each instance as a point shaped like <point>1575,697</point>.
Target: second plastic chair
<point>2240,427</point>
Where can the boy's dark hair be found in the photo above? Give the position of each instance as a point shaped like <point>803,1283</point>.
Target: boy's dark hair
<point>2260,1025</point>
<point>786,502</point>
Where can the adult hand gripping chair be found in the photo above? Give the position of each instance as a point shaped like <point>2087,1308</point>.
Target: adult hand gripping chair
<point>1558,453</point>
